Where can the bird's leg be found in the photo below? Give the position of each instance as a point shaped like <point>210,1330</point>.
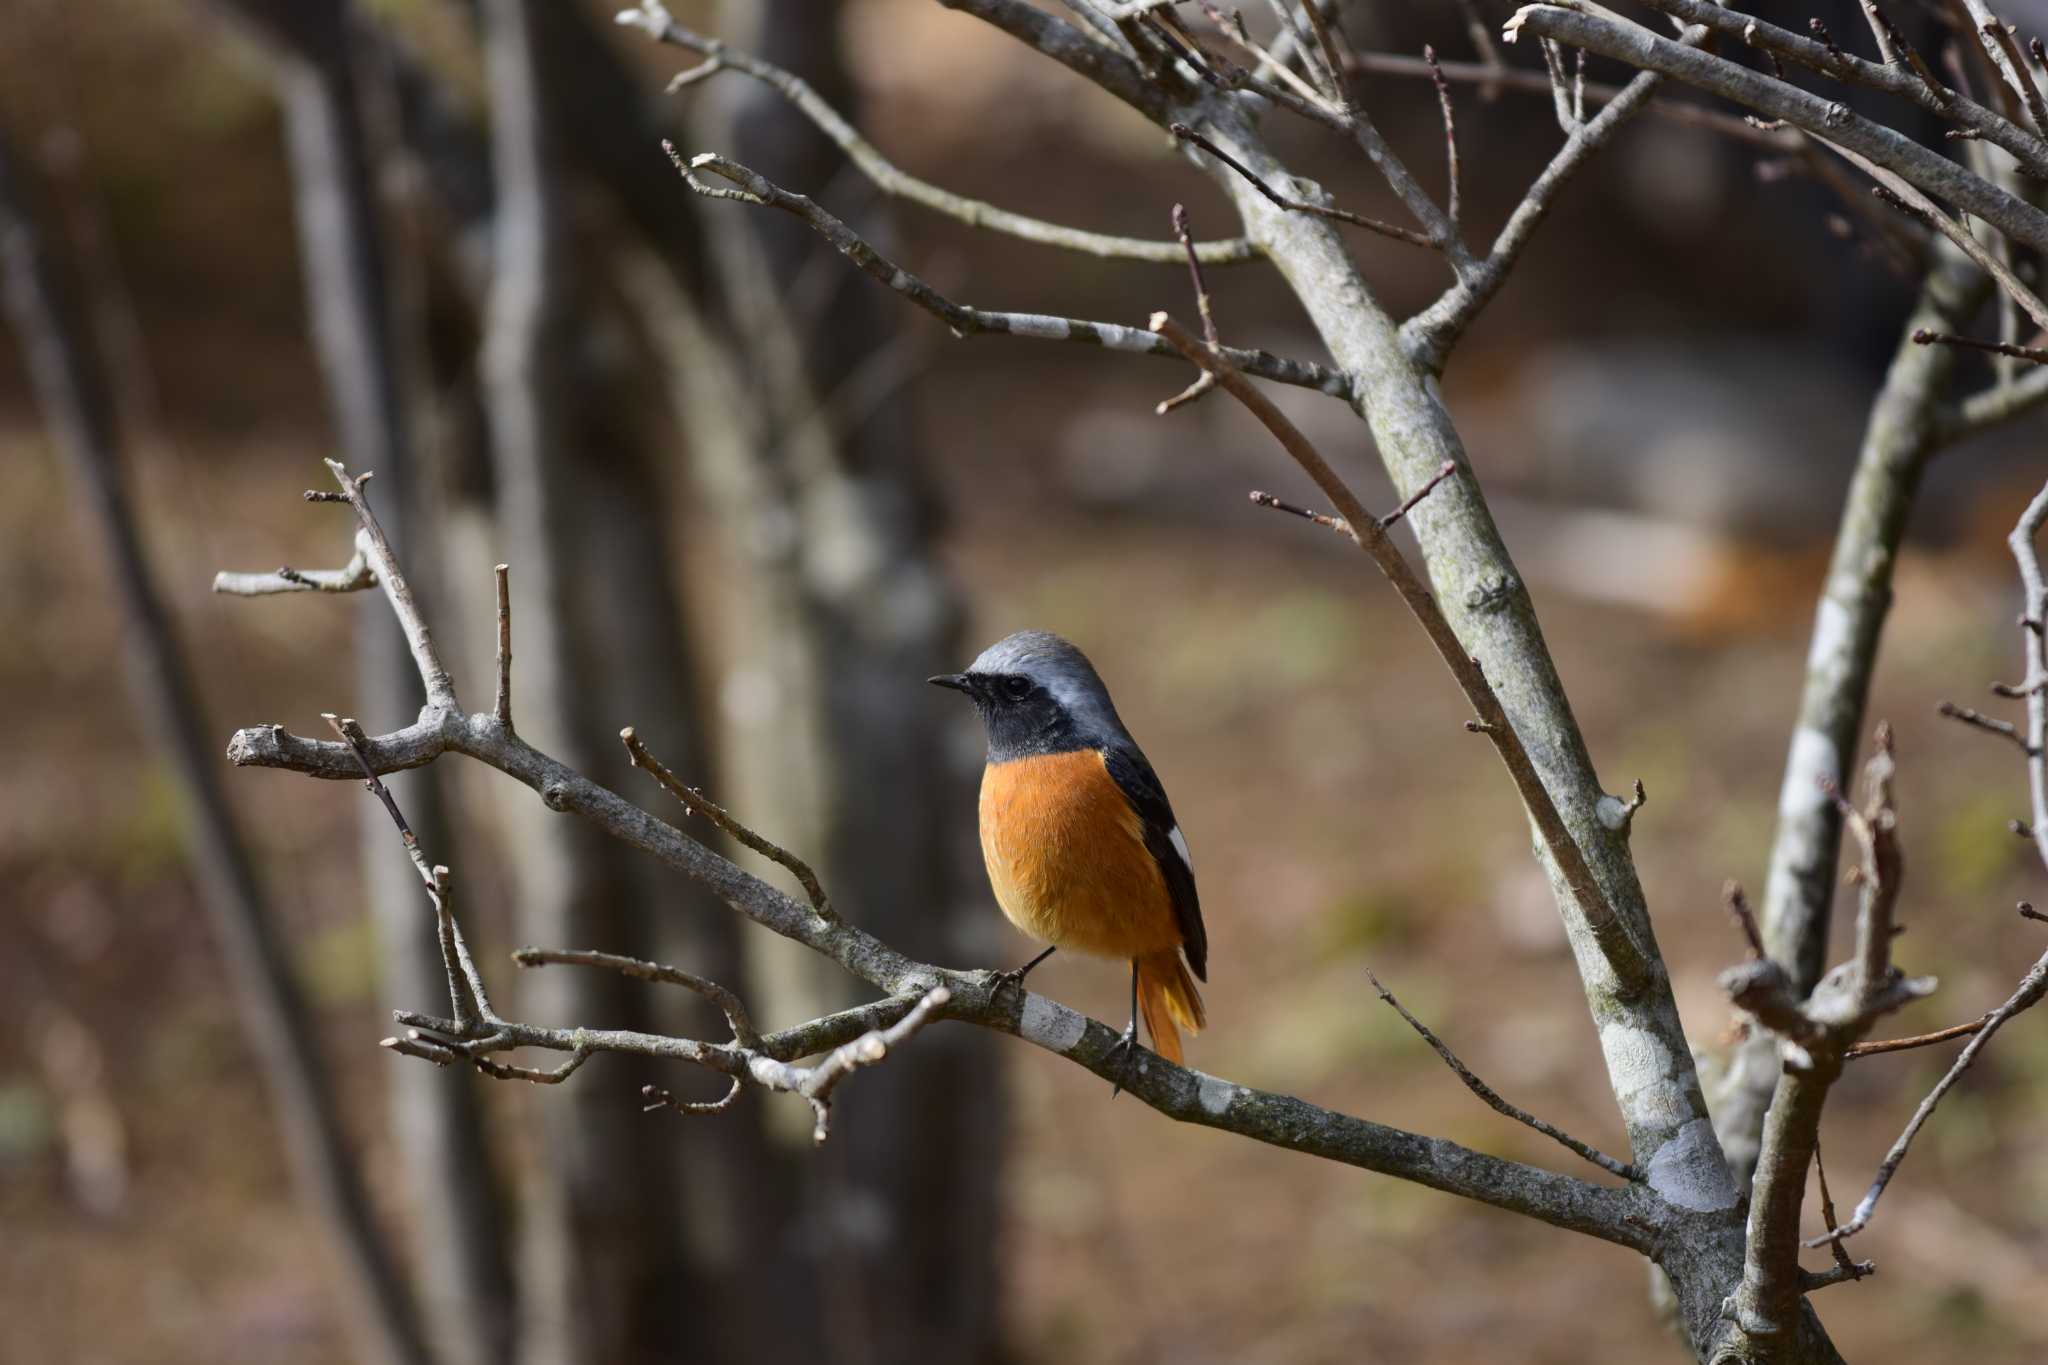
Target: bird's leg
<point>1128,1043</point>
<point>1006,980</point>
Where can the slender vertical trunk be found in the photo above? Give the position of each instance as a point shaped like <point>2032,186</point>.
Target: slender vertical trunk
<point>70,385</point>
<point>466,1284</point>
<point>862,613</point>
<point>1841,660</point>
<point>612,1272</point>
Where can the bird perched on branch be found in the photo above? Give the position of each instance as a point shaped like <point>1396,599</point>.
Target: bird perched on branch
<point>1082,848</point>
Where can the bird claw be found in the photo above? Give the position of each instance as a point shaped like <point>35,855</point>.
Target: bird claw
<point>1126,1045</point>
<point>998,982</point>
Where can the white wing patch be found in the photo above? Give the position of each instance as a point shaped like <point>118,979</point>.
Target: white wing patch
<point>1180,846</point>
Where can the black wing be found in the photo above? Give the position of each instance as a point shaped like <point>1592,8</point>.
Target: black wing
<point>1140,786</point>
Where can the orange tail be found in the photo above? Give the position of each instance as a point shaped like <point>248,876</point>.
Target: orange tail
<point>1167,998</point>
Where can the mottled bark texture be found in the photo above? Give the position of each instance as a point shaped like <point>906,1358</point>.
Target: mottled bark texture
<point>1901,435</point>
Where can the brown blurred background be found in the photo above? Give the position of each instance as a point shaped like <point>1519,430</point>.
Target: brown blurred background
<point>754,550</point>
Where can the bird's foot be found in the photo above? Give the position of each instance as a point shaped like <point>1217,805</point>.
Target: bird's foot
<point>1014,979</point>
<point>1126,1045</point>
<point>999,982</point>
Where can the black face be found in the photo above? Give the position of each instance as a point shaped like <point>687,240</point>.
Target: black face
<point>1022,717</point>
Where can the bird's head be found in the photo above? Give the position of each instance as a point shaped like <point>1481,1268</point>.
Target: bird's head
<point>1037,694</point>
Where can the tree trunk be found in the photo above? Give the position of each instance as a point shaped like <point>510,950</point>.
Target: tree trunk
<point>847,612</point>
<point>466,1284</point>
<point>70,385</point>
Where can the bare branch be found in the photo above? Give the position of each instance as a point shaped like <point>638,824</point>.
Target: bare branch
<point>2034,650</point>
<point>2026,146</point>
<point>1409,504</point>
<point>2031,988</point>
<point>1429,336</point>
<point>866,1050</point>
<point>659,1098</point>
<point>1399,234</point>
<point>465,985</point>
<point>1443,96</point>
<point>653,17</point>
<point>440,688</point>
<point>697,803</point>
<point>1924,337</point>
<point>965,321</point>
<point>1619,948</point>
<point>1906,199</point>
<point>1825,119</point>
<point>1990,725</point>
<point>1884,1045</point>
<point>1537,83</point>
<point>502,709</point>
<point>1493,1099</point>
<point>353,576</point>
<point>728,1004</point>
<point>2006,53</point>
<point>1994,406</point>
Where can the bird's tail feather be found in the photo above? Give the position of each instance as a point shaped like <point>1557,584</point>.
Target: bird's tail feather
<point>1168,1000</point>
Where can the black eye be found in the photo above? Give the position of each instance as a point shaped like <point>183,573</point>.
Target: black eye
<point>1017,688</point>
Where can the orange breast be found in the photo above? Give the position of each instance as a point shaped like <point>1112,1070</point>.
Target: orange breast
<point>1067,858</point>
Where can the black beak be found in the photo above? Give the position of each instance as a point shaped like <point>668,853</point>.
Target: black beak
<point>956,681</point>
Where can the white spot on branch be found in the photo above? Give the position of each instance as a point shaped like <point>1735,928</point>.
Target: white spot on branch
<point>1051,1025</point>
<point>1689,1171</point>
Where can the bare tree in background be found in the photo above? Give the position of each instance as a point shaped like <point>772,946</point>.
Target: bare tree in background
<point>70,380</point>
<point>1740,1292</point>
<point>313,48</point>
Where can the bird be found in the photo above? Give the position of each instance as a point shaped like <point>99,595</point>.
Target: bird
<point>1082,847</point>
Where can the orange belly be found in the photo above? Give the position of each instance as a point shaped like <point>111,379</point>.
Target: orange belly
<point>1067,858</point>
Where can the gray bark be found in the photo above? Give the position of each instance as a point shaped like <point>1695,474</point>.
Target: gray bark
<point>625,1260</point>
<point>1902,434</point>
<point>466,1286</point>
<point>70,384</point>
<point>848,612</point>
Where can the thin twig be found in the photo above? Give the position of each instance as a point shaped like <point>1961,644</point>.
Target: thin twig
<point>1443,97</point>
<point>728,1004</point>
<point>1990,725</point>
<point>465,984</point>
<point>697,803</point>
<point>1327,522</point>
<point>1924,337</point>
<point>502,709</point>
<point>2034,654</point>
<point>1944,1035</point>
<point>1900,195</point>
<point>1203,382</point>
<point>865,1051</point>
<point>654,19</point>
<point>2031,989</point>
<point>1999,33</point>
<point>1845,1267</point>
<point>659,1098</point>
<point>1602,920</point>
<point>1745,918</point>
<point>420,640</point>
<point>1398,233</point>
<point>1896,50</point>
<point>965,321</point>
<point>1444,471</point>
<point>353,576</point>
<point>1493,1099</point>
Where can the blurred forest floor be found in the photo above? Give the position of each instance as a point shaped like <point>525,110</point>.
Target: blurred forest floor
<point>1337,811</point>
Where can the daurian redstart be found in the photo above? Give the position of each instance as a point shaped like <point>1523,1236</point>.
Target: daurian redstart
<point>1082,848</point>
